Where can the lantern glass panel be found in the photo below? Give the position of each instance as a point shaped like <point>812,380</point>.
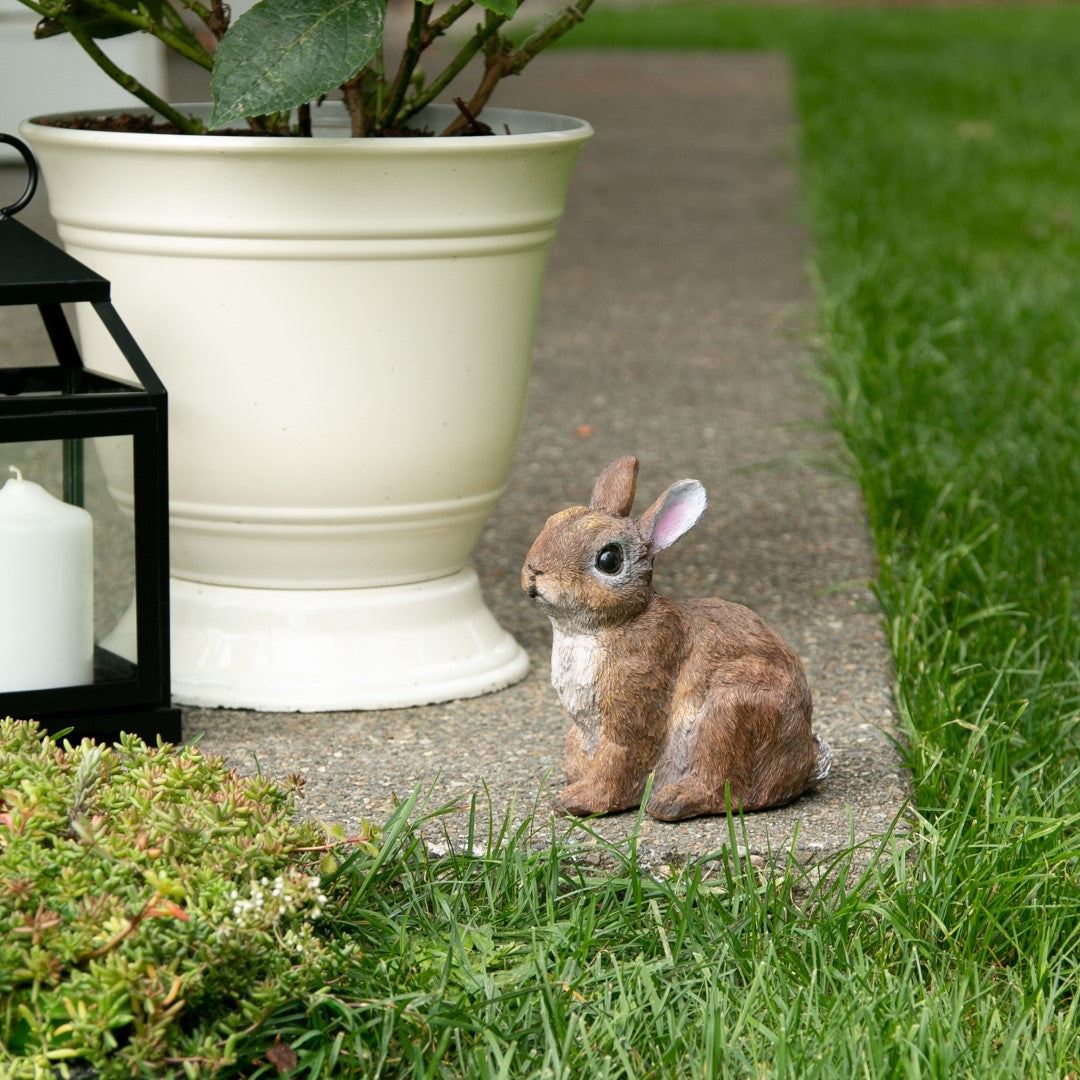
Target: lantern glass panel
<point>108,483</point>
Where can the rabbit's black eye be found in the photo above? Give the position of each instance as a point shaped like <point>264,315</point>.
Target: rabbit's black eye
<point>609,559</point>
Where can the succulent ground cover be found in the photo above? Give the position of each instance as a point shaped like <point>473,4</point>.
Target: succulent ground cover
<point>154,905</point>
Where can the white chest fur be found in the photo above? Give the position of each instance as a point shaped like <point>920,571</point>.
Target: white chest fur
<point>573,674</point>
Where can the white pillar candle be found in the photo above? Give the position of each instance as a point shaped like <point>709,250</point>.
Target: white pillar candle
<point>46,589</point>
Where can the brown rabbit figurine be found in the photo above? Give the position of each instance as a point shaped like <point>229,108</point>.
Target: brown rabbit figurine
<point>703,693</point>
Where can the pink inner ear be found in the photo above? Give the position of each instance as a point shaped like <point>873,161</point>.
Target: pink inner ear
<point>683,506</point>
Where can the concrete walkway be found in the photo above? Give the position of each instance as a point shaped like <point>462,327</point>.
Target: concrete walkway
<point>674,326</point>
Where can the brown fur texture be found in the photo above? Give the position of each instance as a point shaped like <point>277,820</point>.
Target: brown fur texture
<point>703,695</point>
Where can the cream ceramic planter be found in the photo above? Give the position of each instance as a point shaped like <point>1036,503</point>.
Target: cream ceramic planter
<point>345,330</point>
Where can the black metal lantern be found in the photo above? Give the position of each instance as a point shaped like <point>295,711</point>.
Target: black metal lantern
<point>125,690</point>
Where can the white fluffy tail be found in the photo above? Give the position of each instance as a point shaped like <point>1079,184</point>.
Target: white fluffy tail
<point>824,760</point>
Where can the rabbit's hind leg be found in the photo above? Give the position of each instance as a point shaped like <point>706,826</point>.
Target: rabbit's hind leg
<point>700,769</point>
<point>689,798</point>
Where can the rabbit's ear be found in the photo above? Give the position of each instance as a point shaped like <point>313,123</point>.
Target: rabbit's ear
<point>613,492</point>
<point>673,515</point>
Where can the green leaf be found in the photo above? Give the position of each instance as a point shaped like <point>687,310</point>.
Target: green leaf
<point>506,8</point>
<point>283,53</point>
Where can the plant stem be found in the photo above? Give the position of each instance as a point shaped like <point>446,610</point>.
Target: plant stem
<point>354,105</point>
<point>422,32</point>
<point>363,838</point>
<point>541,38</point>
<point>189,125</point>
<point>179,39</point>
<point>500,61</point>
<point>175,19</point>
<point>220,19</point>
<point>447,19</point>
<point>216,18</point>
<point>478,41</point>
<point>496,65</point>
<point>415,43</point>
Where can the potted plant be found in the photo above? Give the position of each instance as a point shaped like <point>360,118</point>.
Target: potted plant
<point>344,325</point>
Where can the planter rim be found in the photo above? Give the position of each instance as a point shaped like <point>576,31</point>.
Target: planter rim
<point>542,128</point>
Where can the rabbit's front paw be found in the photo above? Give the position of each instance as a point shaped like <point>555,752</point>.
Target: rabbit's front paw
<point>581,800</point>
<point>676,802</point>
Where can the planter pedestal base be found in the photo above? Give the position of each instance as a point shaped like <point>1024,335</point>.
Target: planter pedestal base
<point>285,650</point>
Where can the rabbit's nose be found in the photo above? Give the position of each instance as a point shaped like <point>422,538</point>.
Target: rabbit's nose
<point>530,587</point>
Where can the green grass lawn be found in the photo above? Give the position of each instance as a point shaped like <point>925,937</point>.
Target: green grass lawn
<point>941,173</point>
<point>940,160</point>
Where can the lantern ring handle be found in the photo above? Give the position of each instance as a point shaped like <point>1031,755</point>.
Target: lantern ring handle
<point>31,175</point>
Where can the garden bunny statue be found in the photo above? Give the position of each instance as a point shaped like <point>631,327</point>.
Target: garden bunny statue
<point>702,693</point>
